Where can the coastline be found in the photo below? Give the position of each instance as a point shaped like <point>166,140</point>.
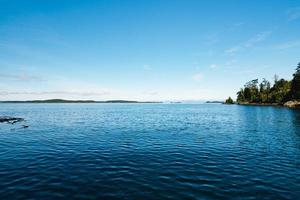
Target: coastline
<point>288,104</point>
<point>258,104</point>
<point>77,101</point>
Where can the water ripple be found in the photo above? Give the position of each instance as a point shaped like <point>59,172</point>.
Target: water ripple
<point>121,151</point>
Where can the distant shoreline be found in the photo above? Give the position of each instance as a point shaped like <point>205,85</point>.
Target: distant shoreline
<point>78,101</point>
<point>216,102</point>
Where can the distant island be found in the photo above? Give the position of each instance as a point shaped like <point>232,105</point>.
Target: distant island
<point>281,92</point>
<point>77,101</point>
<point>214,102</point>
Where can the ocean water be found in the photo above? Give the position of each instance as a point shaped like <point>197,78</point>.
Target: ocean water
<point>150,151</point>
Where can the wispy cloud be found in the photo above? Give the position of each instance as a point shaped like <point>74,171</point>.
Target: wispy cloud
<point>235,26</point>
<point>288,45</point>
<point>260,37</point>
<point>211,39</point>
<point>238,24</point>
<point>216,37</point>
<point>213,66</point>
<point>293,13</point>
<point>151,93</point>
<point>231,62</point>
<point>233,50</point>
<point>21,77</point>
<point>197,77</point>
<point>147,67</point>
<point>4,93</point>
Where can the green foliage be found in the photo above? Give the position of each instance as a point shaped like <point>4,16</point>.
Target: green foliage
<point>280,92</point>
<point>241,96</point>
<point>229,101</point>
<point>295,85</point>
<point>264,91</point>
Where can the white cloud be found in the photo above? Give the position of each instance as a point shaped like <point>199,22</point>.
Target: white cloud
<point>233,50</point>
<point>257,38</point>
<point>231,62</point>
<point>147,67</point>
<point>288,45</point>
<point>21,77</point>
<point>293,13</point>
<point>197,77</point>
<point>238,24</point>
<point>235,26</point>
<point>43,93</point>
<point>210,52</point>
<point>212,39</point>
<point>260,37</point>
<point>151,93</point>
<point>52,94</point>
<point>213,66</point>
<point>54,87</point>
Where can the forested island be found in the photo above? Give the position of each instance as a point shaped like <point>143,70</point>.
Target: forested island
<point>281,92</point>
<point>77,101</point>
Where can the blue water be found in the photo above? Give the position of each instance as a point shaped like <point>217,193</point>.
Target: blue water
<point>150,151</point>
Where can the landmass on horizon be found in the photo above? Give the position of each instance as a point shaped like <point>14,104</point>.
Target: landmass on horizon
<point>78,101</point>
<point>282,92</point>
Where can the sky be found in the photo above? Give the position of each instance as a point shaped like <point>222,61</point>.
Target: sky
<point>153,50</point>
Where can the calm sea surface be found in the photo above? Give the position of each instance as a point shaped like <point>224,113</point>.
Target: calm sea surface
<point>150,151</point>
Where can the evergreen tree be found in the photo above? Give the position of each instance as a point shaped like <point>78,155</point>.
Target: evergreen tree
<point>295,87</point>
<point>280,92</point>
<point>240,96</point>
<point>264,90</point>
<point>229,101</point>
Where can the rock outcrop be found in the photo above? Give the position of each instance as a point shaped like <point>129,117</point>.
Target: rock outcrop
<point>292,104</point>
<point>10,120</point>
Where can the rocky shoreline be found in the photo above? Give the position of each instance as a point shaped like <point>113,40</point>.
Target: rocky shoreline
<point>289,104</point>
<point>292,104</point>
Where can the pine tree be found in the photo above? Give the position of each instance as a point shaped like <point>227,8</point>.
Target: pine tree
<point>295,88</point>
<point>229,101</point>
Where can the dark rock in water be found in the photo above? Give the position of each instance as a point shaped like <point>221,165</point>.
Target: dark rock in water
<point>10,120</point>
<point>25,126</point>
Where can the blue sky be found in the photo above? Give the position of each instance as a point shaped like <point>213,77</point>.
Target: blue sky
<point>143,49</point>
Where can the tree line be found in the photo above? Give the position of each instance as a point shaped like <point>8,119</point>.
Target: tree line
<point>279,92</point>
